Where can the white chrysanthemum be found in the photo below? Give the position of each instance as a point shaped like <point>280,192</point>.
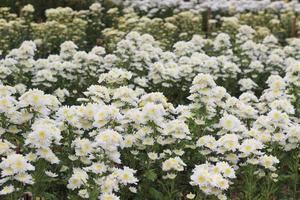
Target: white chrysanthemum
<point>126,176</point>
<point>207,141</point>
<point>109,140</point>
<point>45,132</point>
<point>109,197</point>
<point>37,99</point>
<point>268,162</point>
<point>83,193</point>
<point>250,146</point>
<point>230,123</point>
<point>78,178</point>
<point>83,147</point>
<point>229,142</point>
<point>212,177</point>
<point>15,164</point>
<point>97,168</point>
<point>7,190</point>
<point>177,129</point>
<point>51,174</point>
<point>106,114</point>
<point>154,112</point>
<point>5,147</point>
<point>173,164</point>
<point>24,178</point>
<point>115,76</point>
<point>201,82</point>
<point>48,155</point>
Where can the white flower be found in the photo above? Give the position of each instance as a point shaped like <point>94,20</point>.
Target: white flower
<point>38,100</point>
<point>247,84</point>
<point>133,189</point>
<point>152,155</point>
<point>173,163</point>
<point>15,164</point>
<point>51,174</point>
<point>212,177</point>
<point>207,141</point>
<point>115,76</point>
<point>190,196</point>
<point>268,162</point>
<point>5,147</point>
<point>45,132</point>
<point>83,147</point>
<point>83,193</point>
<point>78,178</point>
<point>97,168</point>
<point>7,190</point>
<point>230,123</point>
<point>226,169</point>
<point>105,114</point>
<point>249,146</point>
<point>154,112</point>
<point>24,178</point>
<point>177,129</point>
<point>109,140</point>
<point>48,155</point>
<point>126,176</point>
<point>229,141</point>
<point>201,82</point>
<point>109,197</point>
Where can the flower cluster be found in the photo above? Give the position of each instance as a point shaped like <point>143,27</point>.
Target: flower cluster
<point>177,101</point>
<point>61,24</point>
<point>154,7</point>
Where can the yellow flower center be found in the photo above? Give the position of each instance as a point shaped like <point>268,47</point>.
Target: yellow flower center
<point>19,164</point>
<point>42,135</point>
<point>228,123</point>
<point>201,179</point>
<point>125,176</point>
<point>248,148</point>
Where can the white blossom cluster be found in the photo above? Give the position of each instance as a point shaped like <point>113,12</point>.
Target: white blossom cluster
<point>151,67</point>
<point>116,117</point>
<point>156,6</point>
<point>211,117</point>
<point>61,24</point>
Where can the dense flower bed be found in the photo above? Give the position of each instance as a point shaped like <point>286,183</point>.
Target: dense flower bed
<point>170,21</point>
<point>195,103</point>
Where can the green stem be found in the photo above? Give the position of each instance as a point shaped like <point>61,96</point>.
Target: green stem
<point>295,177</point>
<point>249,183</point>
<point>171,190</point>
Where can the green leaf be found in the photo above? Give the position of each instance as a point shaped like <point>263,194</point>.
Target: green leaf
<point>49,196</point>
<point>155,194</point>
<point>151,175</point>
